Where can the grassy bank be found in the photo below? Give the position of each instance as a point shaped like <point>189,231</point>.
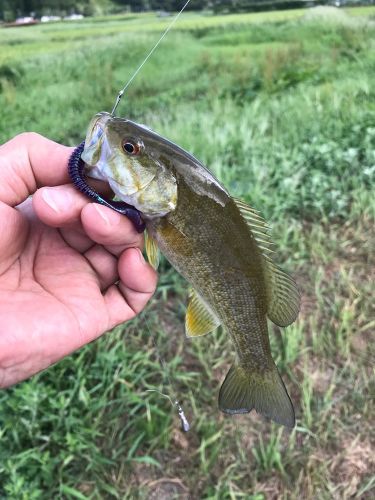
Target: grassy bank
<point>281,106</point>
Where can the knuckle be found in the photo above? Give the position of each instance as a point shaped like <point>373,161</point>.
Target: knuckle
<point>28,138</point>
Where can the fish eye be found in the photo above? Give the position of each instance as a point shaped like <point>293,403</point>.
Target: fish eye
<point>131,147</point>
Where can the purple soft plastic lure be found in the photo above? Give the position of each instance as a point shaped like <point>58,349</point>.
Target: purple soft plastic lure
<point>76,171</point>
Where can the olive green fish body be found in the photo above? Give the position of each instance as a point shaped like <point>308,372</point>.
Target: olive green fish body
<point>219,244</point>
<point>211,247</point>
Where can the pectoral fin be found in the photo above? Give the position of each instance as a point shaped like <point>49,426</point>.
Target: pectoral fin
<point>199,319</point>
<point>152,250</point>
<point>282,294</point>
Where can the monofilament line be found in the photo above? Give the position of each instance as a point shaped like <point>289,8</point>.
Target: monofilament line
<point>185,426</point>
<point>122,91</point>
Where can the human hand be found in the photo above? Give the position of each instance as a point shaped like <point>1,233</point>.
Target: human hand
<point>69,269</point>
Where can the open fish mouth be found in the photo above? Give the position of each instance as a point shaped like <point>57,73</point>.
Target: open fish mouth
<point>103,164</point>
<point>126,192</point>
<point>76,173</point>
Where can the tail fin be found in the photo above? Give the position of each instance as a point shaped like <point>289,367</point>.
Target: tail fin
<point>243,391</point>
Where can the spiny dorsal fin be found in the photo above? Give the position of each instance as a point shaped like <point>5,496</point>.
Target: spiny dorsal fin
<point>199,319</point>
<point>152,250</point>
<point>282,294</point>
<point>257,226</point>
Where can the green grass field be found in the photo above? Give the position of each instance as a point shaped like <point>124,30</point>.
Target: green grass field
<point>281,107</point>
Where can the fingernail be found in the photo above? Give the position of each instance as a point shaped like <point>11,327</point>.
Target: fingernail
<point>57,199</point>
<point>111,219</point>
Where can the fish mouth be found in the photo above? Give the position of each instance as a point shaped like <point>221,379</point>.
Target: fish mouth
<point>101,170</point>
<point>121,190</point>
<point>91,168</point>
<point>94,140</point>
<point>103,164</point>
<point>93,146</point>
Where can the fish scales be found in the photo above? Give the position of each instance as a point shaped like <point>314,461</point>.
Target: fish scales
<point>219,245</point>
<point>229,276</point>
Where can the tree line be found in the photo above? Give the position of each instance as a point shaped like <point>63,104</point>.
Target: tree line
<point>10,9</point>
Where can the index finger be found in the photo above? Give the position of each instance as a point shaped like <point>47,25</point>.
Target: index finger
<point>30,161</point>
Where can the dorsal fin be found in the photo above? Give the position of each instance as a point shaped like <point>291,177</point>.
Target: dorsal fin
<point>199,319</point>
<point>257,226</point>
<point>152,250</point>
<point>283,298</point>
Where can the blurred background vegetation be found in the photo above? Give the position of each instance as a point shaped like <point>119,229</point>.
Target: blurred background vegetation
<point>281,107</point>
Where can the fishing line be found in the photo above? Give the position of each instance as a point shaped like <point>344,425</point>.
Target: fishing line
<point>185,426</point>
<point>122,91</point>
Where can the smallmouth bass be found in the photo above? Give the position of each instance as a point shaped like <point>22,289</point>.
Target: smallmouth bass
<point>220,245</point>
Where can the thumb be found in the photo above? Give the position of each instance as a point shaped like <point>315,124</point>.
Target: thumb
<point>30,161</point>
<point>26,162</point>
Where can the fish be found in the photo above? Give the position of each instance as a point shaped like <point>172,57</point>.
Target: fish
<point>218,243</point>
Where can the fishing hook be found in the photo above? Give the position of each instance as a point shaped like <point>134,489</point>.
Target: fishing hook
<point>185,426</point>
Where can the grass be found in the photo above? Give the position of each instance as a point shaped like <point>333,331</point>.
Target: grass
<point>281,107</point>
